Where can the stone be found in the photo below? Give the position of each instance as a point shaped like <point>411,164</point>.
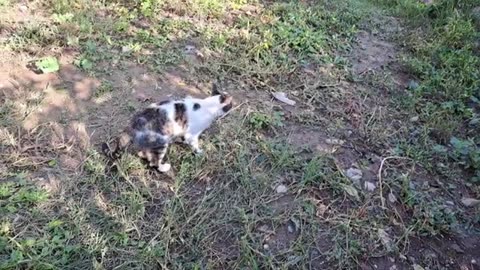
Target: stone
<point>281,189</point>
<point>355,175</point>
<point>392,198</point>
<point>369,186</point>
<point>476,17</point>
<point>23,8</point>
<point>334,141</point>
<point>417,267</point>
<point>457,248</point>
<point>470,202</point>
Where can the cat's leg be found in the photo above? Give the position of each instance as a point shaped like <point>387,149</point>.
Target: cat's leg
<point>193,141</point>
<point>150,155</point>
<point>161,151</point>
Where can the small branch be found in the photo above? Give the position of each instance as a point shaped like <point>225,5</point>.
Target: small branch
<point>234,108</point>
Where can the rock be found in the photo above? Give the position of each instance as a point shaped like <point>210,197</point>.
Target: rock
<point>355,175</point>
<point>281,96</point>
<point>385,239</point>
<point>476,17</point>
<point>393,267</point>
<point>321,209</point>
<point>414,119</point>
<point>392,198</point>
<point>263,228</point>
<point>126,49</point>
<point>334,141</point>
<point>281,189</point>
<point>417,267</point>
<point>266,246</point>
<point>23,8</point>
<point>369,186</point>
<point>430,255</point>
<point>470,202</point>
<point>457,248</point>
<point>473,261</point>
<point>290,229</point>
<point>412,85</point>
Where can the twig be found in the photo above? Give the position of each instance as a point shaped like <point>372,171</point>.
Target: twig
<point>380,184</point>
<point>234,108</point>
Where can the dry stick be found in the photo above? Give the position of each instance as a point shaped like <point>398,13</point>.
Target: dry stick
<point>234,108</point>
<point>380,184</point>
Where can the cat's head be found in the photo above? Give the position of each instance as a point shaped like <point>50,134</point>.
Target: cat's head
<point>224,100</point>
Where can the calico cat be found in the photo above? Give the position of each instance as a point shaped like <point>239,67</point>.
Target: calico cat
<point>154,128</point>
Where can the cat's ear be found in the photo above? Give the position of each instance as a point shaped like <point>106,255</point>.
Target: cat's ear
<point>215,91</point>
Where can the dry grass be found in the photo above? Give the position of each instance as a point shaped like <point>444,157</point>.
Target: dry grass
<point>62,206</point>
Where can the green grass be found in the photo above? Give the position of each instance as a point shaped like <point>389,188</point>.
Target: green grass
<point>221,210</point>
<point>444,60</point>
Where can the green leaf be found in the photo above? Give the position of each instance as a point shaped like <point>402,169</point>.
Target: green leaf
<point>351,191</point>
<point>48,64</point>
<point>85,64</point>
<point>52,163</point>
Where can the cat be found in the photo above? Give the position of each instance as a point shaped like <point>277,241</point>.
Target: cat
<point>154,128</point>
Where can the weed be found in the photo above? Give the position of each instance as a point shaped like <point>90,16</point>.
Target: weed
<point>260,120</point>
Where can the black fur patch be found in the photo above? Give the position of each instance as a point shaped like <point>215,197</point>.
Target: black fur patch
<point>223,98</point>
<point>153,119</point>
<point>181,114</point>
<point>227,107</point>
<point>215,90</point>
<point>196,106</point>
<point>163,102</point>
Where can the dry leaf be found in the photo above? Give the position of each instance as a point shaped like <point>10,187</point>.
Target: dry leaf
<point>385,239</point>
<point>470,202</point>
<point>281,96</point>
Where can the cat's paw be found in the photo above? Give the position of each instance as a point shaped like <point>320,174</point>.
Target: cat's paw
<point>165,167</point>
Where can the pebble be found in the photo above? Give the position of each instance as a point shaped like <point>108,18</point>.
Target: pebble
<point>266,246</point>
<point>450,203</point>
<point>23,8</point>
<point>470,202</point>
<point>369,186</point>
<point>354,174</point>
<point>281,189</point>
<point>335,141</point>
<point>417,267</point>
<point>457,248</point>
<point>392,198</point>
<point>473,261</point>
<point>290,229</point>
<point>412,85</point>
<point>414,119</point>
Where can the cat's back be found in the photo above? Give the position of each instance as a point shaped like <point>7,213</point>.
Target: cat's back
<point>153,117</point>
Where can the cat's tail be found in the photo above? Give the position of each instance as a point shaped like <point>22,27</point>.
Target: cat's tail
<point>118,146</point>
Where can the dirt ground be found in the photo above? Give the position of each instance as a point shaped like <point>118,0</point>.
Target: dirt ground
<point>55,123</point>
